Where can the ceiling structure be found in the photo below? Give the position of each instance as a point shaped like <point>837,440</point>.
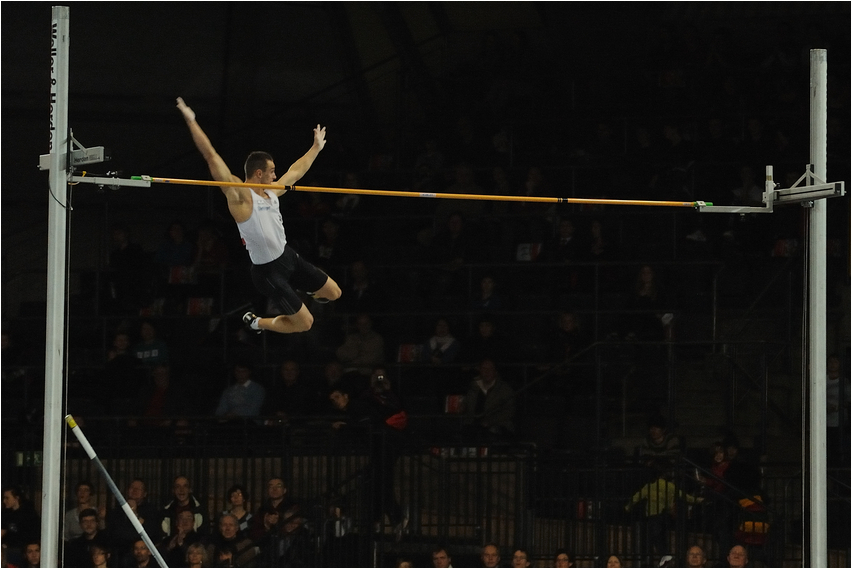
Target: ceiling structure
<point>255,69</point>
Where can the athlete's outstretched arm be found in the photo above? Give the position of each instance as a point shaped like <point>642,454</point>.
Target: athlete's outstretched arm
<point>301,166</point>
<point>218,169</point>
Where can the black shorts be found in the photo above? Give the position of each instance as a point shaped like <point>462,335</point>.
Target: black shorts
<point>279,279</point>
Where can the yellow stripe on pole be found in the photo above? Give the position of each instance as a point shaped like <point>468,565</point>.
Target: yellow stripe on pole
<point>406,194</point>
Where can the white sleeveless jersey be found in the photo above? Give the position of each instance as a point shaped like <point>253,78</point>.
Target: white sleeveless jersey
<point>263,232</point>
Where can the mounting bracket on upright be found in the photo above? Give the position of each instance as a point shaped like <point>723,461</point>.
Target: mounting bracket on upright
<point>807,188</point>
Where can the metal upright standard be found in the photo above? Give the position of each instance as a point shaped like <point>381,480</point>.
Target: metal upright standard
<point>817,463</point>
<point>56,253</point>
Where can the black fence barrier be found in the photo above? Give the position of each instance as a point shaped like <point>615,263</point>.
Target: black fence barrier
<point>369,501</point>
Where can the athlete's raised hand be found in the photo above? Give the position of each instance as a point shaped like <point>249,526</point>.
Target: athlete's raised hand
<point>188,114</point>
<point>319,136</point>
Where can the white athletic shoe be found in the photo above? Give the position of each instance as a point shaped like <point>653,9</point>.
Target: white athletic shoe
<point>250,320</point>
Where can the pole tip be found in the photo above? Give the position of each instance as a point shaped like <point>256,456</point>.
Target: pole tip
<point>70,420</point>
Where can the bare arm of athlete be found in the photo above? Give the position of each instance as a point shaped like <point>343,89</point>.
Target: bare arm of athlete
<point>238,198</point>
<point>300,167</point>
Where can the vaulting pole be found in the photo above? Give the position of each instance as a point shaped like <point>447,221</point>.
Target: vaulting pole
<point>119,497</point>
<point>817,243</point>
<point>56,250</point>
<point>404,194</point>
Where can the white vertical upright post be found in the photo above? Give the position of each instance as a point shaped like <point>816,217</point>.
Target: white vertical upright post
<point>56,247</point>
<point>818,463</point>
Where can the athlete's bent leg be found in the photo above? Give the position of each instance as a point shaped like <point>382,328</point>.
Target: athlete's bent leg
<point>299,322</point>
<point>329,291</point>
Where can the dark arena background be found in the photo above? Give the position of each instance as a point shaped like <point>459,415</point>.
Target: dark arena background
<point>648,362</point>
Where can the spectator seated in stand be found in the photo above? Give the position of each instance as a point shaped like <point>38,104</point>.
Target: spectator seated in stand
<point>332,252</point>
<point>486,343</point>
<point>695,557</point>
<point>266,535</point>
<point>243,399</point>
<point>521,557</point>
<point>174,261</point>
<point>564,247</point>
<point>20,523</point>
<point>496,234</point>
<point>122,379</point>
<point>210,260</point>
<point>647,301</point>
<point>362,350</point>
<point>130,282</point>
<point>565,356</point>
<point>211,254</point>
<point>150,350</point>
<point>277,500</point>
<point>339,540</point>
<point>599,248</point>
<point>442,348</point>
<point>120,529</point>
<point>361,294</point>
<point>452,246</point>
<point>176,251</point>
<point>183,499</point>
<point>719,464</point>
<point>198,555</point>
<point>100,554</point>
<point>161,399</point>
<point>490,404</point>
<point>294,545</point>
<point>290,395</point>
<point>561,558</point>
<point>429,167</point>
<point>464,182</point>
<point>534,223</point>
<point>488,300</point>
<point>441,558</point>
<point>490,555</point>
<point>237,504</point>
<point>84,501</point>
<point>660,442</point>
<point>737,556</point>
<point>32,554</point>
<point>78,550</point>
<point>140,556</point>
<point>346,206</point>
<point>173,547</point>
<point>332,372</point>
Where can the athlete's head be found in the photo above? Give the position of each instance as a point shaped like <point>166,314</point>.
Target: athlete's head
<point>262,161</point>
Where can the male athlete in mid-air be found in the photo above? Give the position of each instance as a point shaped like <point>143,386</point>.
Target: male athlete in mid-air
<point>276,269</point>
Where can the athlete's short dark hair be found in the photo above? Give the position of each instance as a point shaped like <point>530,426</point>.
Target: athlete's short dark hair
<point>257,161</point>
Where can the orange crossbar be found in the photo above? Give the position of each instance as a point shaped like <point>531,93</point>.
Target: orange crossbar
<point>405,194</point>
